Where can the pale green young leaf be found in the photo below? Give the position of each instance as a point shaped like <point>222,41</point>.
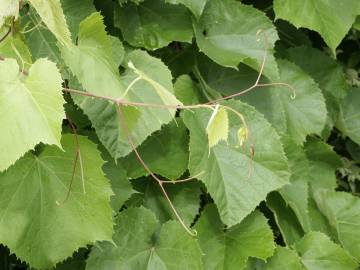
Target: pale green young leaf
<point>35,219</point>
<point>217,128</point>
<point>229,249</point>
<point>342,211</point>
<point>242,35</point>
<point>317,251</point>
<point>139,246</point>
<point>349,118</point>
<point>52,15</point>
<point>297,117</point>
<point>31,108</point>
<point>284,259</point>
<point>332,19</point>
<point>153,24</point>
<point>237,180</point>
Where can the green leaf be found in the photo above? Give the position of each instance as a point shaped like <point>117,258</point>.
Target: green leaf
<point>153,85</point>
<point>317,251</point>
<point>284,259</point>
<point>323,163</point>
<point>120,183</point>
<point>306,114</point>
<point>31,108</point>
<point>196,6</point>
<point>33,223</point>
<point>153,24</point>
<point>342,211</point>
<point>349,118</point>
<point>184,196</point>
<point>235,38</point>
<point>330,18</point>
<point>230,249</point>
<point>285,218</point>
<point>137,246</point>
<point>52,15</point>
<point>165,153</point>
<point>235,181</point>
<point>186,90</point>
<point>296,193</point>
<point>75,12</point>
<point>217,128</point>
<point>327,73</point>
<point>14,47</point>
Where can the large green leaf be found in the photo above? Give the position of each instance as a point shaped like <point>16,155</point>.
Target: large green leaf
<point>230,249</point>
<point>165,153</point>
<point>15,47</point>
<point>331,18</point>
<point>235,38</point>
<point>296,193</point>
<point>35,220</point>
<point>154,24</point>
<point>323,163</point>
<point>196,6</point>
<point>317,251</point>
<point>343,213</point>
<point>52,15</point>
<point>306,114</point>
<point>349,118</point>
<point>184,196</point>
<point>138,246</point>
<point>94,65</point>
<point>31,108</point>
<point>235,181</point>
<point>284,259</point>
<point>327,73</point>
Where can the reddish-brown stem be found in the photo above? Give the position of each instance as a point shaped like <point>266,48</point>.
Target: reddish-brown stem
<point>123,123</point>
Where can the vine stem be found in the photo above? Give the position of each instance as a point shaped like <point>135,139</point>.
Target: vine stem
<point>160,182</point>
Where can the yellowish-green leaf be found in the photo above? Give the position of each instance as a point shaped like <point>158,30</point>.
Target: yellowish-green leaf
<point>217,128</point>
<point>52,15</point>
<point>31,108</point>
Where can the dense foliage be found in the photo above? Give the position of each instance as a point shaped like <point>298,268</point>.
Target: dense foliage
<point>179,134</point>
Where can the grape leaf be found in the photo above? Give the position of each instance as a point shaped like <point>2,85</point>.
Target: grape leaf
<point>332,19</point>
<point>284,259</point>
<point>289,225</point>
<point>184,196</point>
<point>235,181</point>
<point>14,47</point>
<point>342,211</point>
<point>327,73</point>
<point>32,223</point>
<point>323,163</point>
<point>196,6</point>
<point>148,81</point>
<point>186,90</point>
<point>230,249</point>
<point>8,8</point>
<point>235,38</point>
<point>31,108</point>
<point>317,251</point>
<point>153,24</point>
<point>52,15</point>
<point>165,153</point>
<point>296,193</point>
<point>137,247</point>
<point>349,118</point>
<point>306,114</point>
